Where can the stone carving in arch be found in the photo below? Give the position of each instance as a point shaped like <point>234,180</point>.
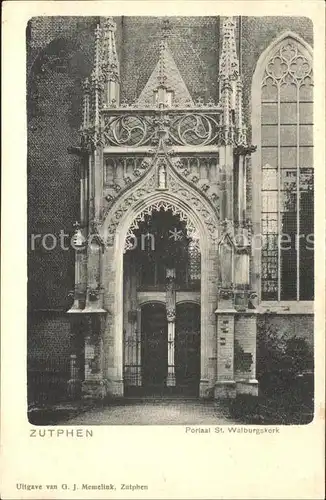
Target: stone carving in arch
<point>165,205</point>
<point>149,185</point>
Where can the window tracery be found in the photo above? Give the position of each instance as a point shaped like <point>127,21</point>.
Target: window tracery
<point>286,128</point>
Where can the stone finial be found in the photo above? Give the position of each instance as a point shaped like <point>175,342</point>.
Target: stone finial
<point>109,24</point>
<point>231,87</point>
<point>110,60</point>
<point>97,56</point>
<point>229,62</point>
<point>166,29</point>
<point>110,64</point>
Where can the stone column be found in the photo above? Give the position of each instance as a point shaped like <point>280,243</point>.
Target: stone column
<point>76,292</point>
<point>94,384</point>
<point>113,328</point>
<point>134,328</point>
<point>209,270</point>
<point>241,192</point>
<point>229,180</point>
<point>170,313</point>
<point>226,182</point>
<point>79,292</point>
<point>94,297</point>
<point>170,381</point>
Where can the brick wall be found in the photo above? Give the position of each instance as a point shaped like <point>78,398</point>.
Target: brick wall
<point>245,335</point>
<point>48,357</point>
<point>53,107</point>
<point>225,346</point>
<point>193,41</point>
<point>48,342</point>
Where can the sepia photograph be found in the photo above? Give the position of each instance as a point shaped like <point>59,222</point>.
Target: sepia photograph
<point>170,220</point>
<point>163,250</point>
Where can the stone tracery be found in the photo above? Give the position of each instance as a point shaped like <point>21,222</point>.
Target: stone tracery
<point>289,65</point>
<point>157,206</point>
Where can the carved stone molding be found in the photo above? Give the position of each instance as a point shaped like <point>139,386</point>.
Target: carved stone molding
<point>183,166</point>
<point>190,197</point>
<point>225,293</point>
<point>288,65</point>
<point>170,314</point>
<point>136,168</point>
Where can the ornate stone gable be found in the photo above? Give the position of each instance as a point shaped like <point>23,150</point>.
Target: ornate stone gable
<point>160,178</point>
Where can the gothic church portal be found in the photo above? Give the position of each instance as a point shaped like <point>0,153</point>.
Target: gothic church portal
<point>168,284</point>
<point>164,312</point>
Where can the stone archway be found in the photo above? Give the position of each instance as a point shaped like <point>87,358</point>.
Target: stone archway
<point>112,273</point>
<point>161,262</point>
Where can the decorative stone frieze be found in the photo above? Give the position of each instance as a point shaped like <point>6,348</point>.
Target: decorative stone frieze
<point>174,185</point>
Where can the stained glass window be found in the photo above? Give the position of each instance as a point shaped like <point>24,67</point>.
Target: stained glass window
<point>287,174</point>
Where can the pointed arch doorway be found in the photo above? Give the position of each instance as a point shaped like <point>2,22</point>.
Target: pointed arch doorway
<point>122,333</point>
<point>161,337</point>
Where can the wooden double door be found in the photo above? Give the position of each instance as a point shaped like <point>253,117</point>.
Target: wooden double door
<point>155,349</point>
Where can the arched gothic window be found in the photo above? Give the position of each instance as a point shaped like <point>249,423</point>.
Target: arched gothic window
<point>282,127</point>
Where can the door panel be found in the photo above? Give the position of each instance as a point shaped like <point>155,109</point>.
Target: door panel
<point>154,345</point>
<point>187,346</point>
